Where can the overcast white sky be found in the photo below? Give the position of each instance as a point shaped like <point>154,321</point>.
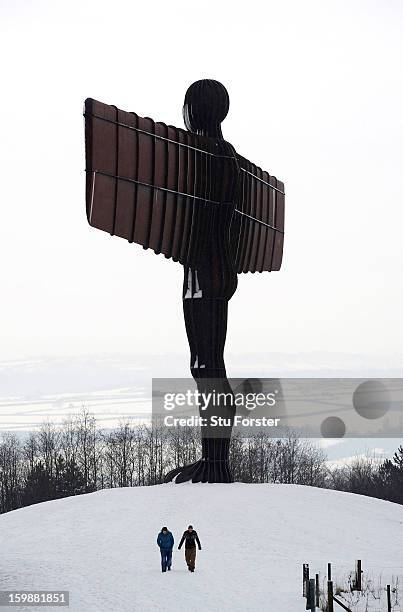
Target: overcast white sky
<point>316,99</point>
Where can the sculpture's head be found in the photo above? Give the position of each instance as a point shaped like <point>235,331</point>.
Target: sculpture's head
<point>206,106</point>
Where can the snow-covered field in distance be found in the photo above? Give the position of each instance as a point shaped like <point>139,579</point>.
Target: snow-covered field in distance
<point>31,389</point>
<point>102,546</point>
<point>116,387</point>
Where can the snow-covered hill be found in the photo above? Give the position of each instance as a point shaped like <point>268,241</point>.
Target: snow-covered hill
<point>101,547</point>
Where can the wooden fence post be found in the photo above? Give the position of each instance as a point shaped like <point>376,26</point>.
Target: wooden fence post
<point>330,607</point>
<point>329,571</point>
<point>310,601</point>
<point>317,590</point>
<point>305,579</point>
<point>358,576</point>
<point>389,598</point>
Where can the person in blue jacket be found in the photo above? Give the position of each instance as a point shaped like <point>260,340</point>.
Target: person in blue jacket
<point>165,541</point>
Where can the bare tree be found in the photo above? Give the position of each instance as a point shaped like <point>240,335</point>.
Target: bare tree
<point>87,447</point>
<point>10,472</point>
<point>48,446</point>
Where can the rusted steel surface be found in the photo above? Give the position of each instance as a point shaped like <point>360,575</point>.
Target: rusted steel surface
<point>159,186</point>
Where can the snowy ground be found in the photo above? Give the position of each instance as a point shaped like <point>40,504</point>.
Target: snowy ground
<point>101,547</point>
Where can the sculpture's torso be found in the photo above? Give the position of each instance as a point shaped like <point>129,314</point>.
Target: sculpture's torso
<point>215,276</point>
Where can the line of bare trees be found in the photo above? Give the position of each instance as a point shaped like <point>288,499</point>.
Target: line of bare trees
<point>372,477</point>
<point>78,457</point>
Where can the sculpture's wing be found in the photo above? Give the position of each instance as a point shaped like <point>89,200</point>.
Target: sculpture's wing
<point>151,183</point>
<point>257,229</point>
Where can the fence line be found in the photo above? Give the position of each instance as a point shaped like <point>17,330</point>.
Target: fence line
<point>311,589</point>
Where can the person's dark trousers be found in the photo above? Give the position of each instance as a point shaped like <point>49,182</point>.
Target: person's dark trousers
<point>166,559</point>
<point>190,556</point>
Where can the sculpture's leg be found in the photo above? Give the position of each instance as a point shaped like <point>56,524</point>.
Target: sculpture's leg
<point>207,290</point>
<point>206,327</point>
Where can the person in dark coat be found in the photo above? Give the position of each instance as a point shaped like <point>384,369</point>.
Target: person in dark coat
<point>190,538</point>
<point>166,542</point>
